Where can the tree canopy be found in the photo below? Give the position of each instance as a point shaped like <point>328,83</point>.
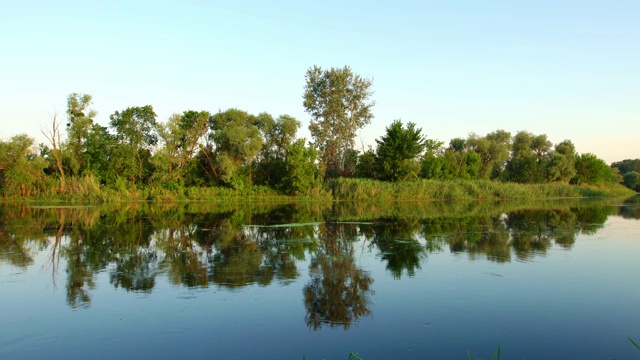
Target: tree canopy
<point>338,101</point>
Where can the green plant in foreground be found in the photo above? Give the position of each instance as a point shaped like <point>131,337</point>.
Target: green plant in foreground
<point>494,357</point>
<point>352,356</point>
<point>634,343</point>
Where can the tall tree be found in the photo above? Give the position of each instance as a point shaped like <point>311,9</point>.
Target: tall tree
<point>562,162</point>
<point>339,104</point>
<point>529,156</point>
<point>494,150</point>
<point>236,135</point>
<point>79,121</point>
<point>182,135</point>
<point>398,152</point>
<point>53,136</point>
<point>136,127</point>
<point>277,136</point>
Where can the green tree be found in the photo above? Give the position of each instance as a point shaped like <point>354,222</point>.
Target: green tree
<point>529,157</point>
<point>277,135</point>
<point>237,139</point>
<point>20,168</point>
<point>463,164</point>
<point>562,162</point>
<point>627,165</point>
<point>494,151</point>
<point>398,152</point>
<point>339,104</point>
<point>301,172</point>
<point>101,157</point>
<point>80,118</point>
<point>366,165</point>
<point>632,180</point>
<point>136,127</point>
<point>592,170</point>
<point>182,136</point>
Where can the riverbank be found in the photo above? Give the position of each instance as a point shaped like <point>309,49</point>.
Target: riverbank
<point>342,189</point>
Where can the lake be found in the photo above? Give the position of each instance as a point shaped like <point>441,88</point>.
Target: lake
<point>542,279</point>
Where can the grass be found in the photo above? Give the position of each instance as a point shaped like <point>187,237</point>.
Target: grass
<point>352,356</point>
<point>455,190</point>
<point>495,356</point>
<point>87,190</point>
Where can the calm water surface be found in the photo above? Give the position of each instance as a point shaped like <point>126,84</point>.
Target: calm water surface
<point>549,279</point>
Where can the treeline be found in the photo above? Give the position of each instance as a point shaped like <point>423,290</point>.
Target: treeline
<point>234,149</point>
<point>630,170</point>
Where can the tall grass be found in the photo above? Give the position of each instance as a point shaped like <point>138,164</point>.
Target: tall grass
<point>425,190</point>
<point>87,189</point>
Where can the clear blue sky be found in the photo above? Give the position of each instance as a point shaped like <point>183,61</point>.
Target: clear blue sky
<point>568,69</point>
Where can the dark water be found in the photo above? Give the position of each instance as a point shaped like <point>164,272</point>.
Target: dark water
<point>554,279</point>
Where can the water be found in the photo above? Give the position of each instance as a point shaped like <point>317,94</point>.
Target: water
<point>549,279</point>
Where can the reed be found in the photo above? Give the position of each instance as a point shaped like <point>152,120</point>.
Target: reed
<point>454,190</point>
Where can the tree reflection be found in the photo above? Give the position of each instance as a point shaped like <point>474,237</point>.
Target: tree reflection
<point>233,246</point>
<point>338,292</point>
<point>397,245</point>
<point>630,209</point>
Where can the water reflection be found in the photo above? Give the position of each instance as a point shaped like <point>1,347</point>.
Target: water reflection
<point>233,246</point>
<point>338,292</point>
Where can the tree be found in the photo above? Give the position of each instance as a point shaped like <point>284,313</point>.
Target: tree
<point>53,136</point>
<point>562,162</point>
<point>339,105</point>
<point>182,135</point>
<point>366,165</point>
<point>102,157</point>
<point>529,156</point>
<point>301,172</point>
<point>277,136</point>
<point>592,170</point>
<point>236,136</point>
<point>494,151</point>
<point>79,121</point>
<point>632,180</point>
<point>627,165</point>
<point>20,168</point>
<point>398,152</point>
<point>136,127</point>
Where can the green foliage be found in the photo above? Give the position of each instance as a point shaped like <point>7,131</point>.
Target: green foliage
<point>630,170</point>
<point>366,165</point>
<point>79,122</point>
<point>592,170</point>
<point>632,180</point>
<point>181,136</point>
<point>627,165</point>
<point>21,171</point>
<point>100,154</point>
<point>278,135</point>
<point>301,172</point>
<point>529,156</point>
<point>237,139</point>
<point>397,152</point>
<point>494,151</point>
<point>367,190</point>
<point>561,165</point>
<point>339,105</point>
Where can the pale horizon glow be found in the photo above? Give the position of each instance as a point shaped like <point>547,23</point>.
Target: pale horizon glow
<point>567,69</point>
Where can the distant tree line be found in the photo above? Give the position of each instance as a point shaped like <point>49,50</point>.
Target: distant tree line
<point>236,149</point>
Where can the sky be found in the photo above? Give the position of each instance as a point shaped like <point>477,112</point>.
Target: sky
<point>568,69</point>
